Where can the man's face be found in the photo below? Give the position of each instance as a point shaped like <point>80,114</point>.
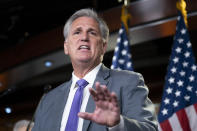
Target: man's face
<point>22,128</point>
<point>84,43</point>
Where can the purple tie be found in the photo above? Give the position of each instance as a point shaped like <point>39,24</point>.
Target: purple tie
<point>73,118</point>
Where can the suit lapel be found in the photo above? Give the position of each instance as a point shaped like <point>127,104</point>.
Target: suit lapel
<point>101,77</point>
<point>60,103</point>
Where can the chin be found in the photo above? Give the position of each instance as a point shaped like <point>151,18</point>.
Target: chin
<point>85,60</point>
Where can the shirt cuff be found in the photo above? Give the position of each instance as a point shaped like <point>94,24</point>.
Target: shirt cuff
<point>118,127</point>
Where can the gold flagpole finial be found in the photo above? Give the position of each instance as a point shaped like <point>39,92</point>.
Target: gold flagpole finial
<point>181,6</point>
<point>125,16</point>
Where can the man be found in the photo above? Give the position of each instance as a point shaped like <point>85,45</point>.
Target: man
<point>23,125</point>
<point>118,99</point>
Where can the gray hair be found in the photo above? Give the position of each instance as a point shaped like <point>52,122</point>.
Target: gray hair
<point>22,123</point>
<point>89,13</point>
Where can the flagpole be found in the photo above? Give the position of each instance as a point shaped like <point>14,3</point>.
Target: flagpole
<point>122,56</point>
<point>126,2</point>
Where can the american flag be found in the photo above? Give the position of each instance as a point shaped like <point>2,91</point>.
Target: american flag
<point>122,56</point>
<point>178,111</point>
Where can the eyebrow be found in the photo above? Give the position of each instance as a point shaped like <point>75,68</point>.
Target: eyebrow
<point>77,29</point>
<point>92,29</point>
<point>89,29</point>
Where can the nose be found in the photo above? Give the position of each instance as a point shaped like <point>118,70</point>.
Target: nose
<point>85,37</point>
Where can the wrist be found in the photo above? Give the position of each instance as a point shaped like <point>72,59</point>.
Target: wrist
<point>116,122</point>
<point>119,126</point>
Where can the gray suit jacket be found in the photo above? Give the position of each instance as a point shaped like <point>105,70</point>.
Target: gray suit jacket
<point>136,109</point>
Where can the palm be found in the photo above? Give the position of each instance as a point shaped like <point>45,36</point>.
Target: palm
<point>107,110</point>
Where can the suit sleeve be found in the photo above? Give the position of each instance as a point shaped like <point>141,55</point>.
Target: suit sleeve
<point>37,116</point>
<point>137,109</point>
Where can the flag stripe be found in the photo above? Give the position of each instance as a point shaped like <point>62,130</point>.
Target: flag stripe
<point>159,128</point>
<point>195,107</point>
<point>182,116</point>
<point>165,126</point>
<point>175,124</point>
<point>192,116</point>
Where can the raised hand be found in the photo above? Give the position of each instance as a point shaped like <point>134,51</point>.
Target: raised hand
<point>107,110</point>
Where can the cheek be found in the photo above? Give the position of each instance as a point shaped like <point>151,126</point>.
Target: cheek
<point>69,47</point>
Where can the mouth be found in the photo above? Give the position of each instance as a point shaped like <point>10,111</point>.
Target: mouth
<point>84,47</point>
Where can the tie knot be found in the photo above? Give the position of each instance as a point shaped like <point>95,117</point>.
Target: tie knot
<point>82,83</point>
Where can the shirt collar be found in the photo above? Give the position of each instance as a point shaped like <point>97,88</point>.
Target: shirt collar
<point>89,77</point>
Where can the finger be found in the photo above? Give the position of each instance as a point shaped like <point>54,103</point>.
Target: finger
<point>93,94</point>
<point>97,85</point>
<point>100,92</point>
<point>85,115</point>
<point>106,93</point>
<point>114,99</point>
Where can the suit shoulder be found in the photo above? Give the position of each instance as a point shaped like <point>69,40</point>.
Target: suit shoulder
<point>124,73</point>
<point>55,90</point>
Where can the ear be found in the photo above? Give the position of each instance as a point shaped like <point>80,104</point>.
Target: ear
<point>66,47</point>
<point>104,47</point>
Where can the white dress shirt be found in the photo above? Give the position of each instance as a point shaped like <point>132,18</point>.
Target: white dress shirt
<point>90,77</point>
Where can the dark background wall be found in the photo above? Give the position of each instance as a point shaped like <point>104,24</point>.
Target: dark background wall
<point>31,34</point>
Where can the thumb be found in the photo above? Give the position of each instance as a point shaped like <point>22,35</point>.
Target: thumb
<point>85,115</point>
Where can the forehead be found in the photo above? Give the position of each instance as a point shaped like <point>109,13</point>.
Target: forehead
<point>85,22</point>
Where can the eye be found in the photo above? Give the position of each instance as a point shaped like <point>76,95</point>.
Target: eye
<point>76,32</point>
<point>93,33</point>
